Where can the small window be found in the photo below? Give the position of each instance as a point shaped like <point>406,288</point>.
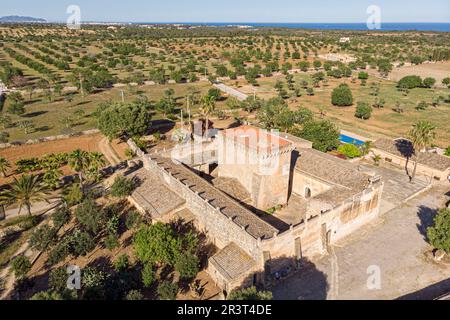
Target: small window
<point>307,193</point>
<point>388,159</point>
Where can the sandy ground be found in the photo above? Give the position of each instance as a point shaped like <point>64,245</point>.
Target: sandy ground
<point>439,71</point>
<point>395,246</point>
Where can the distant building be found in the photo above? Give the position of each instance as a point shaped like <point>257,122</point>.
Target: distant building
<point>401,152</point>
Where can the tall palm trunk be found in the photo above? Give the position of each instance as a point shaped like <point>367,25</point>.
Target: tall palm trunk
<point>80,176</point>
<point>413,176</point>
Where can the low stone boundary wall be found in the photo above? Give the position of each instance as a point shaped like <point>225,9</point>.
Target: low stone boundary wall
<point>47,139</point>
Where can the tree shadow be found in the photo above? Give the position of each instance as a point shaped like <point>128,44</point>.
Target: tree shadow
<point>426,216</point>
<point>34,114</point>
<point>432,292</point>
<point>28,102</point>
<point>42,129</point>
<point>81,103</point>
<point>406,149</point>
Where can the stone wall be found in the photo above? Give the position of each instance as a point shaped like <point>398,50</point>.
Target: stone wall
<point>309,238</point>
<point>302,181</point>
<point>46,139</point>
<point>220,230</point>
<point>137,151</point>
<point>264,174</point>
<point>338,223</point>
<point>432,174</point>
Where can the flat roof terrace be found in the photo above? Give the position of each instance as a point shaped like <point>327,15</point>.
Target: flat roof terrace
<point>257,139</point>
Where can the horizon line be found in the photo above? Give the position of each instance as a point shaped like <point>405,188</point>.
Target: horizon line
<point>243,22</point>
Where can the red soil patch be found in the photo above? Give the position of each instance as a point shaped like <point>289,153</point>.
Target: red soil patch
<point>86,143</point>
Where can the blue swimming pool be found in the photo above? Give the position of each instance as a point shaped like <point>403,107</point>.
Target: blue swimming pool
<point>346,139</point>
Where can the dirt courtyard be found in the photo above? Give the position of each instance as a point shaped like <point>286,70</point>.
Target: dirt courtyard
<point>394,245</point>
<point>439,71</point>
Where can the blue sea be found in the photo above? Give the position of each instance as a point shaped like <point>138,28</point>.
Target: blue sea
<point>439,27</point>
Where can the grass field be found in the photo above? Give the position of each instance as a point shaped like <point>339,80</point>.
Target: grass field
<point>47,116</point>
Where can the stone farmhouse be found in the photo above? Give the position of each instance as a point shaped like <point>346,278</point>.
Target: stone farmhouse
<point>267,201</point>
<point>401,152</point>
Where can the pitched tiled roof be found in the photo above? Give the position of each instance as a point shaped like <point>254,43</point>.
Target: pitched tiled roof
<point>331,169</point>
<point>232,262</point>
<point>404,148</point>
<point>240,215</point>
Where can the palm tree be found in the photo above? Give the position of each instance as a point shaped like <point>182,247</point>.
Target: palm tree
<point>208,106</point>
<point>366,147</point>
<point>51,178</point>
<point>4,165</point>
<point>421,135</point>
<point>24,191</point>
<point>95,162</point>
<point>78,163</point>
<point>86,164</point>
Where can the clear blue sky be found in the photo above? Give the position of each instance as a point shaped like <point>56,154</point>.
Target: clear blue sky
<point>232,10</point>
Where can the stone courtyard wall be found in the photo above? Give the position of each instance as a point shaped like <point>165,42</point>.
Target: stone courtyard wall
<point>219,229</point>
<point>339,223</point>
<point>430,173</point>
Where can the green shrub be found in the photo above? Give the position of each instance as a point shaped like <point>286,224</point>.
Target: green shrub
<point>350,151</point>
<point>134,295</point>
<point>47,296</point>
<point>112,225</point>
<point>429,82</point>
<point>122,187</point>
<point>29,222</point>
<point>148,275</point>
<point>57,280</point>
<point>363,111</point>
<point>167,290</point>
<point>112,242</point>
<point>342,96</point>
<point>93,278</point>
<point>439,234</point>
<point>122,263</point>
<point>43,237</point>
<point>73,195</point>
<point>90,216</point>
<point>156,243</point>
<point>61,217</point>
<point>21,265</point>
<point>187,265</point>
<point>81,243</point>
<point>410,82</point>
<point>363,75</point>
<point>60,252</point>
<point>249,294</point>
<point>133,220</point>
<point>129,153</point>
<point>323,133</point>
<point>422,106</point>
<point>447,152</point>
<point>446,81</point>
